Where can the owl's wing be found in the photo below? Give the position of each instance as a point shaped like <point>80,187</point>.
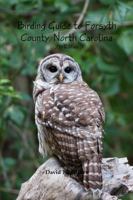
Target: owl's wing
<point>74,109</point>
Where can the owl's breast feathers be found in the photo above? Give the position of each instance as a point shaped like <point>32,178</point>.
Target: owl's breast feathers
<point>73,108</point>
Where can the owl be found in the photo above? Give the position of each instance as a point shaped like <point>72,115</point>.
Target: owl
<point>69,116</point>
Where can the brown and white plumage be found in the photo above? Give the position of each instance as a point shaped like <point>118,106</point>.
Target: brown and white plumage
<point>69,117</point>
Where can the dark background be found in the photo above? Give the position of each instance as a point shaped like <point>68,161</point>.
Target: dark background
<point>106,67</point>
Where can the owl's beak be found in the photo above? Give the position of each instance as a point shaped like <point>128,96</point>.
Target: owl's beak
<point>61,77</point>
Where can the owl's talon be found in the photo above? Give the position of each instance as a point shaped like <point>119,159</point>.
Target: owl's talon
<point>94,194</point>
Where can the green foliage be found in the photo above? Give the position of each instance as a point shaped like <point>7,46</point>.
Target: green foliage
<point>107,67</point>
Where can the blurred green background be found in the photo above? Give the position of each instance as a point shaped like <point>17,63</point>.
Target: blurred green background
<point>107,67</point>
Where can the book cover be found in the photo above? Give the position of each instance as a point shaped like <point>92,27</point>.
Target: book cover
<point>98,35</point>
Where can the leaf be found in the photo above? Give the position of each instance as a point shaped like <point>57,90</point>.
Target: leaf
<point>125,41</point>
<point>105,67</point>
<point>25,96</point>
<point>29,70</point>
<point>15,114</point>
<point>16,59</point>
<point>99,16</point>
<point>113,88</point>
<point>12,2</point>
<point>63,7</point>
<point>9,163</point>
<point>123,9</point>
<point>128,74</point>
<point>108,2</point>
<point>4,81</point>
<point>120,11</point>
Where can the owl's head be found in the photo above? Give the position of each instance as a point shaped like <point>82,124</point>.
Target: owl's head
<point>59,68</point>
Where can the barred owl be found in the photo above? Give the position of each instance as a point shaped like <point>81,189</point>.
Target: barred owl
<point>69,116</point>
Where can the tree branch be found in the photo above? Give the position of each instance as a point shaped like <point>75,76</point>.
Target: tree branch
<point>80,19</point>
<point>50,182</point>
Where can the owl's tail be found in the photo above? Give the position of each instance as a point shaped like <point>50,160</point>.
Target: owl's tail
<point>92,178</point>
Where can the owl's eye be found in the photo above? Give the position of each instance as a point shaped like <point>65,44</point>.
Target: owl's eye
<point>68,69</point>
<point>52,68</point>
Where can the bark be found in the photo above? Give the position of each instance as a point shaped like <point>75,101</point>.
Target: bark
<point>49,182</point>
